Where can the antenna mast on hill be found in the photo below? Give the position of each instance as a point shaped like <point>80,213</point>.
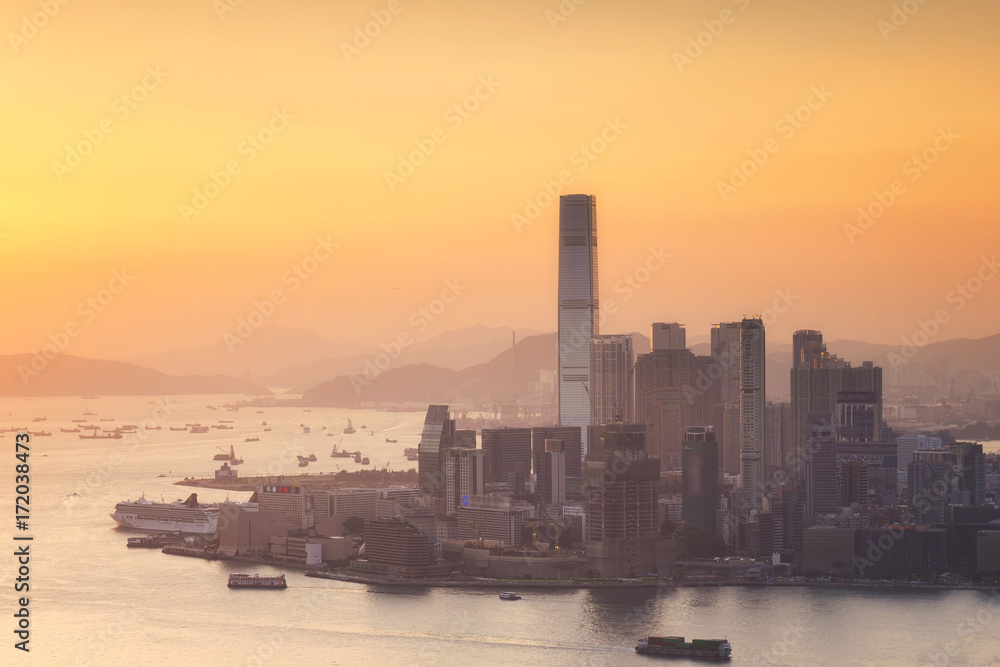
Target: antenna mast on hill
<point>513,351</point>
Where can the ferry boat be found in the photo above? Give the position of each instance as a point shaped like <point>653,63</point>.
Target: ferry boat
<point>256,581</point>
<point>707,649</point>
<point>510,596</point>
<point>184,517</point>
<point>153,541</point>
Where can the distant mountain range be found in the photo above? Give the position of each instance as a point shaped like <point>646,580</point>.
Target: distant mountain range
<point>468,364</point>
<point>490,381</point>
<point>65,375</point>
<point>279,356</point>
<point>493,380</point>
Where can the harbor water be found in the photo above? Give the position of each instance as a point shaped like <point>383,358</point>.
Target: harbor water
<point>95,602</point>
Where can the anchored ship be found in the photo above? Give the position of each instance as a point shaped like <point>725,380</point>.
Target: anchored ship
<point>708,649</point>
<point>256,581</point>
<point>185,517</point>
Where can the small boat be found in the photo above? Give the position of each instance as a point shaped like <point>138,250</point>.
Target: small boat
<point>107,419</point>
<point>392,441</point>
<point>357,458</point>
<point>79,421</point>
<point>199,429</point>
<point>263,423</point>
<point>70,430</point>
<point>362,427</point>
<point>39,433</point>
<point>365,461</point>
<point>251,439</point>
<point>268,428</point>
<point>178,428</point>
<point>311,457</point>
<point>89,413</point>
<point>350,428</point>
<point>509,596</point>
<point>38,419</point>
<point>152,428</point>
<point>303,463</point>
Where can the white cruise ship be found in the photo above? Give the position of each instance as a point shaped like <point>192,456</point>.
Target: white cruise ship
<point>184,517</point>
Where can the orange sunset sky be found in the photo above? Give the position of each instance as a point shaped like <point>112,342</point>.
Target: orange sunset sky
<point>169,92</point>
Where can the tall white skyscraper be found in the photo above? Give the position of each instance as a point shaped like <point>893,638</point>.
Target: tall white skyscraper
<point>578,307</point>
<point>752,410</point>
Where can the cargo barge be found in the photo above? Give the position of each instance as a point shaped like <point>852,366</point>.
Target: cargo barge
<point>256,581</point>
<point>706,649</point>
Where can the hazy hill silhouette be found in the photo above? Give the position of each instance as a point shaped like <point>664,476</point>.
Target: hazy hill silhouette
<point>427,383</point>
<point>76,376</point>
<point>280,356</point>
<point>492,380</point>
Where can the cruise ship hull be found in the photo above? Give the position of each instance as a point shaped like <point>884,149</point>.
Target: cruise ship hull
<point>164,525</point>
<point>189,517</point>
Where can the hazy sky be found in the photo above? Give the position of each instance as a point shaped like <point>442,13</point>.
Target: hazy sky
<point>116,113</point>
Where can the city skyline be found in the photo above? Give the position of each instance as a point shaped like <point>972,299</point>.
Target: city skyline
<point>328,274</point>
<point>875,105</point>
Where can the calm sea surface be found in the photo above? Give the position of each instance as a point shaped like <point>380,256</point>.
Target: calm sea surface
<point>94,602</point>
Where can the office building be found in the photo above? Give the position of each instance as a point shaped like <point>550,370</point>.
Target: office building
<point>700,466</point>
<point>495,518</point>
<point>622,502</point>
<point>778,429</point>
<point>752,358</point>
<point>507,457</point>
<point>572,440</point>
<point>464,476</point>
<point>970,467</point>
<point>395,544</point>
<point>857,416</point>
<point>437,437</point>
<point>578,309</point>
<point>611,361</point>
<point>931,484</point>
<point>853,483</point>
<point>816,379</point>
<point>550,474</point>
<point>823,475</point>
<point>664,336</point>
<point>668,398</point>
<point>725,345</point>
